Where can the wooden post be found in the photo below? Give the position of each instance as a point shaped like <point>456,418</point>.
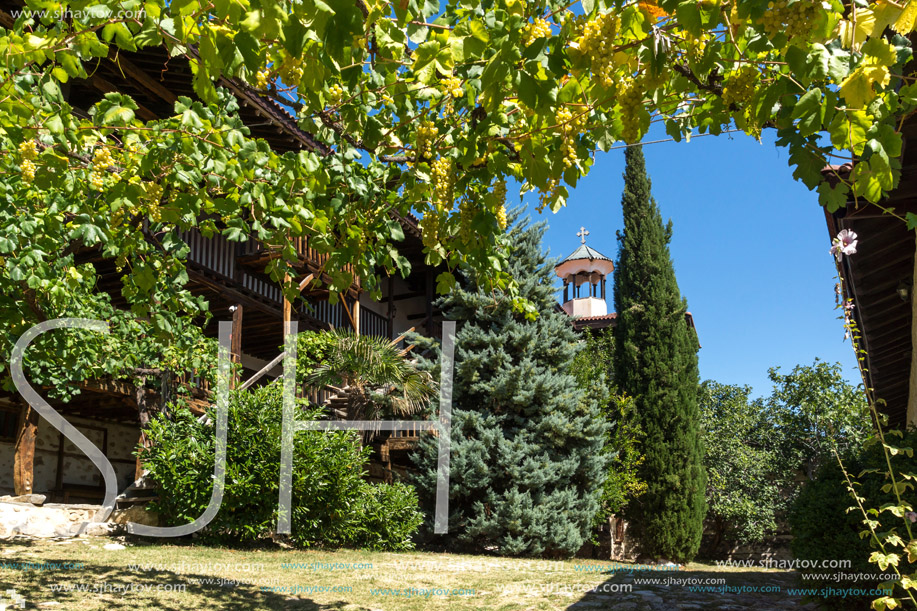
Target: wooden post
<point>390,327</point>
<point>349,313</point>
<point>356,316</point>
<point>287,306</point>
<point>429,303</point>
<point>24,460</point>
<point>912,382</point>
<point>235,341</point>
<point>143,415</point>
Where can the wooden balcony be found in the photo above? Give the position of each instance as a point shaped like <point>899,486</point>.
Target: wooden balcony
<point>256,255</point>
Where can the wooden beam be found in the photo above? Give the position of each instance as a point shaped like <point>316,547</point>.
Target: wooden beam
<point>100,84</point>
<point>403,296</point>
<point>235,296</point>
<point>402,336</point>
<point>347,312</point>
<point>24,460</point>
<point>263,371</point>
<point>305,282</point>
<point>130,70</point>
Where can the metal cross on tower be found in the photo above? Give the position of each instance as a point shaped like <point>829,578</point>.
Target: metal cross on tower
<point>582,233</point>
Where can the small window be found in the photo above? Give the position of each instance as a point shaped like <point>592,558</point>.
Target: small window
<point>9,422</point>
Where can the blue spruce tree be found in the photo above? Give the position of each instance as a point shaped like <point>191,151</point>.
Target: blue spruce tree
<point>526,464</point>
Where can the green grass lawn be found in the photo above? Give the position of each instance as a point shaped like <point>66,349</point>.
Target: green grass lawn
<point>196,577</point>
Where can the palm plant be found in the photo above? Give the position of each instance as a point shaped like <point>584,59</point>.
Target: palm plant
<point>375,376</point>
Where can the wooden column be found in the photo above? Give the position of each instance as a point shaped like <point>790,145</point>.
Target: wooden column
<point>236,335</point>
<point>356,316</point>
<point>235,341</point>
<point>390,327</point>
<point>24,460</point>
<point>429,303</point>
<point>144,414</point>
<point>912,382</point>
<point>287,306</point>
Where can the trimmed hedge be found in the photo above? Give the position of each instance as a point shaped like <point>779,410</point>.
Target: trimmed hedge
<point>332,504</point>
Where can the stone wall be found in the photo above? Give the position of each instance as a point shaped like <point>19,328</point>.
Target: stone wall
<point>616,542</point>
<point>77,468</point>
<point>776,547</point>
<point>613,542</point>
<point>58,520</point>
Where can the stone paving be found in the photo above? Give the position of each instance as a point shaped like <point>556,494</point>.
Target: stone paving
<point>763,590</point>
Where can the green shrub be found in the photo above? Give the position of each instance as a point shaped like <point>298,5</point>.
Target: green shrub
<point>824,529</point>
<point>332,504</point>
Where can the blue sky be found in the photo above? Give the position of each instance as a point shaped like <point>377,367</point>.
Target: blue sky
<point>750,248</point>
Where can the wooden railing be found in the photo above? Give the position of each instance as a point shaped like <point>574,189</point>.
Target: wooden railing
<point>373,324</point>
<point>307,254</point>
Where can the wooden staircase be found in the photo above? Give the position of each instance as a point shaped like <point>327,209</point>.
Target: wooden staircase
<point>383,466</point>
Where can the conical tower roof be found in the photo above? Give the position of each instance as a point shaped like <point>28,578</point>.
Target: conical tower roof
<point>584,252</point>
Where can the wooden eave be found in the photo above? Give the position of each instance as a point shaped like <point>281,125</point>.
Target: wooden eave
<point>883,263</point>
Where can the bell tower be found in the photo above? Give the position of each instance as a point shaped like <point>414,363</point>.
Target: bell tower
<point>584,274</point>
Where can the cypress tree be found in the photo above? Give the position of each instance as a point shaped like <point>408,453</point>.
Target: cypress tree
<point>656,363</point>
<point>527,469</point>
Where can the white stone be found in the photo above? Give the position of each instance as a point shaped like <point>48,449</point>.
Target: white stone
<point>586,306</point>
<point>113,546</point>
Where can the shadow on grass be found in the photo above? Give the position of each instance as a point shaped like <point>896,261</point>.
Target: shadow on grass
<point>699,589</point>
<point>107,585</point>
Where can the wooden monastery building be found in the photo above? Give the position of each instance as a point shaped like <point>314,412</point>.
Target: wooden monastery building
<point>34,457</point>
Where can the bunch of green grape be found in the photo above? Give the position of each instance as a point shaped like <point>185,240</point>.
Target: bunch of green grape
<point>571,125</point>
<point>426,133</point>
<point>630,99</point>
<point>597,41</point>
<point>443,183</point>
<point>500,196</point>
<point>740,85</point>
<point>467,210</point>
<point>539,28</point>
<point>101,161</point>
<point>796,19</point>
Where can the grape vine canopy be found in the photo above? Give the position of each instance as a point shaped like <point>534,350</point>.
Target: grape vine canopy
<point>414,105</point>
